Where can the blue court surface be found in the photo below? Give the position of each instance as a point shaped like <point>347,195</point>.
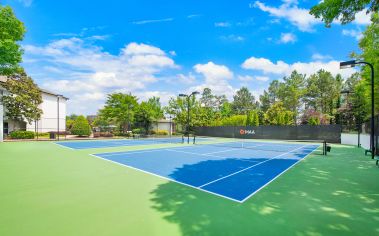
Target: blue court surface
<point>116,142</point>
<point>226,171</point>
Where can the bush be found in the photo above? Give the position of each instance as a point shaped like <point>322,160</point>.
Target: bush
<point>81,127</point>
<point>162,132</point>
<point>19,134</point>
<point>117,133</point>
<point>314,121</point>
<point>236,120</point>
<point>137,131</point>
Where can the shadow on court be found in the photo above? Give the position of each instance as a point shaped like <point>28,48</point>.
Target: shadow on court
<point>334,195</point>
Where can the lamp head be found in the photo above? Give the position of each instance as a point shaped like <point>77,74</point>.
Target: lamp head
<point>347,64</point>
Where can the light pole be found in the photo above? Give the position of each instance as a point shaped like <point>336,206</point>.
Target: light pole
<point>170,126</point>
<point>188,111</point>
<point>349,64</point>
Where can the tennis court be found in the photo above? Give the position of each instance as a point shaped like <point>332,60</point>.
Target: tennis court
<point>117,142</point>
<point>233,170</point>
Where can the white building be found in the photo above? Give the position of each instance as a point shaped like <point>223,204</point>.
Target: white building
<point>53,118</point>
<point>166,125</point>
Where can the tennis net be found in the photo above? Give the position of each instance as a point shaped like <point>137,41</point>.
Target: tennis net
<point>265,145</point>
<point>159,139</point>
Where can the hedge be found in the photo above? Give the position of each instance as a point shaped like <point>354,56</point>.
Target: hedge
<point>19,134</point>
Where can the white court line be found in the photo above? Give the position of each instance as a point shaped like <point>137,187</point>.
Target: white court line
<point>165,178</point>
<point>237,172</point>
<point>194,153</point>
<point>156,149</point>
<point>63,146</point>
<point>243,200</point>
<point>228,150</point>
<point>199,188</point>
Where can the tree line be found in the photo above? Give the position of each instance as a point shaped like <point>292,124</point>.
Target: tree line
<point>297,99</point>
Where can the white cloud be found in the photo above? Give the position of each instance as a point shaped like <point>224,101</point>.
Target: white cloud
<point>142,22</point>
<point>141,49</point>
<point>281,68</point>
<point>233,38</point>
<point>262,78</point>
<point>216,78</point>
<point>357,34</point>
<point>248,78</point>
<point>289,10</point>
<point>361,18</point>
<point>98,37</point>
<point>88,69</point>
<point>245,78</point>
<point>193,16</point>
<point>287,38</point>
<point>185,79</point>
<point>223,24</point>
<point>26,3</point>
<point>300,17</point>
<point>214,72</point>
<point>320,57</point>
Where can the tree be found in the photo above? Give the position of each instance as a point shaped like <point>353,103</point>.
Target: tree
<point>278,115</point>
<point>323,91</point>
<point>291,92</point>
<point>148,112</point>
<point>22,98</point>
<point>369,47</point>
<point>81,127</point>
<point>311,114</point>
<point>177,107</point>
<point>70,121</point>
<point>342,10</point>
<point>145,115</point>
<point>12,30</point>
<point>102,123</point>
<point>120,108</point>
<point>156,107</point>
<point>226,109</point>
<point>243,101</point>
<point>236,120</point>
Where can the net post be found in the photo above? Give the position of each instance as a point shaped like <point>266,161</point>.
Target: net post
<point>324,148</point>
<point>194,139</point>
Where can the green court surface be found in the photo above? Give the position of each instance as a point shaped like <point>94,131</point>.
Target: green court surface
<point>50,190</point>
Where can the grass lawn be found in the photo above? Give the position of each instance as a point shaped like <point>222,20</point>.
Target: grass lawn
<point>50,190</point>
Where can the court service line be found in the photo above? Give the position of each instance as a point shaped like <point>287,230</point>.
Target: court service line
<point>243,200</point>
<point>194,153</point>
<point>156,149</point>
<point>247,168</point>
<point>165,178</point>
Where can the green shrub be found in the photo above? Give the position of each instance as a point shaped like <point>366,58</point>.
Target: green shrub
<point>161,132</point>
<point>137,131</point>
<point>81,127</point>
<point>19,134</point>
<point>236,120</point>
<point>314,121</point>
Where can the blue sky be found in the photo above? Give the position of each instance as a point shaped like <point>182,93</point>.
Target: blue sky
<point>87,49</point>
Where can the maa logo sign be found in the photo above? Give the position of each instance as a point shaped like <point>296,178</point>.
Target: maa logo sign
<point>246,131</point>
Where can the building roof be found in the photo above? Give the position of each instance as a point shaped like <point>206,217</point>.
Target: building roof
<point>3,79</point>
